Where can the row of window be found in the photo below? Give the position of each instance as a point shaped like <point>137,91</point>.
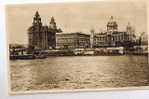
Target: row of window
<point>114,38</point>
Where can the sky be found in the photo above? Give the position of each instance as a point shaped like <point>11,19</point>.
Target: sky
<point>74,17</point>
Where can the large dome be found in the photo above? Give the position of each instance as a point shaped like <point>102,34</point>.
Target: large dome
<point>111,22</point>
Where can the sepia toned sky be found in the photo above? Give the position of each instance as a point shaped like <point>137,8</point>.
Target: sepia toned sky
<point>74,17</point>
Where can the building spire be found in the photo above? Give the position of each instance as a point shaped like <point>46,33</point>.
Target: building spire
<point>52,18</point>
<point>111,18</point>
<point>37,19</point>
<point>53,23</point>
<point>37,14</point>
<point>129,28</point>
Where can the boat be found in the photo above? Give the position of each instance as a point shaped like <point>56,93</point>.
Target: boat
<point>29,56</point>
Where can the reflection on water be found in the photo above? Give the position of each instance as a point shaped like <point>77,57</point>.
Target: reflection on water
<point>79,72</point>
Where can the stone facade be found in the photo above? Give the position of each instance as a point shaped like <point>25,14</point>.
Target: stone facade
<point>72,40</point>
<point>47,37</point>
<point>112,37</point>
<point>42,37</point>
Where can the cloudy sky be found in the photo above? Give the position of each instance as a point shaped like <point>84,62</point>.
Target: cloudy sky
<point>74,17</point>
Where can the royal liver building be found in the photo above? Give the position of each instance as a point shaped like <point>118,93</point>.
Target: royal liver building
<point>40,36</point>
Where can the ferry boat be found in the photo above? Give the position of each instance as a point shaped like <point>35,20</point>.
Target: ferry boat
<point>29,56</point>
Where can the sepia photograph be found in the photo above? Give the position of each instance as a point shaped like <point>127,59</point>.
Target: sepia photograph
<point>77,46</point>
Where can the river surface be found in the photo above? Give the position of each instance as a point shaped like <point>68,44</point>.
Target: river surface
<point>79,72</point>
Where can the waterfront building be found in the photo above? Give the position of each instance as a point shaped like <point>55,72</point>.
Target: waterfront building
<point>40,36</point>
<point>72,40</point>
<point>112,37</point>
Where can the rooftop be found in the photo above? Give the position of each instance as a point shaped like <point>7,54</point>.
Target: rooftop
<point>73,33</point>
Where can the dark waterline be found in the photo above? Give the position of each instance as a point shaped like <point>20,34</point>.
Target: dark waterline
<point>79,72</point>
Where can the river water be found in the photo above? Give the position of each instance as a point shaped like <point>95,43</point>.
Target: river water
<point>79,72</point>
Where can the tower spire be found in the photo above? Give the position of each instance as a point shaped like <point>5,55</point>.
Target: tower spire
<point>37,19</point>
<point>37,14</point>
<point>111,18</point>
<point>53,23</point>
<point>129,28</point>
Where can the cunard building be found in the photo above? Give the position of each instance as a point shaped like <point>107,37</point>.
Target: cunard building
<point>72,40</point>
<point>113,37</point>
<point>41,36</point>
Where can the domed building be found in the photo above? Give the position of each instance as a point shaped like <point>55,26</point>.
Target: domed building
<point>112,26</point>
<point>114,38</point>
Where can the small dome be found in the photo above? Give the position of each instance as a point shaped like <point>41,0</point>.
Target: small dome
<point>52,20</point>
